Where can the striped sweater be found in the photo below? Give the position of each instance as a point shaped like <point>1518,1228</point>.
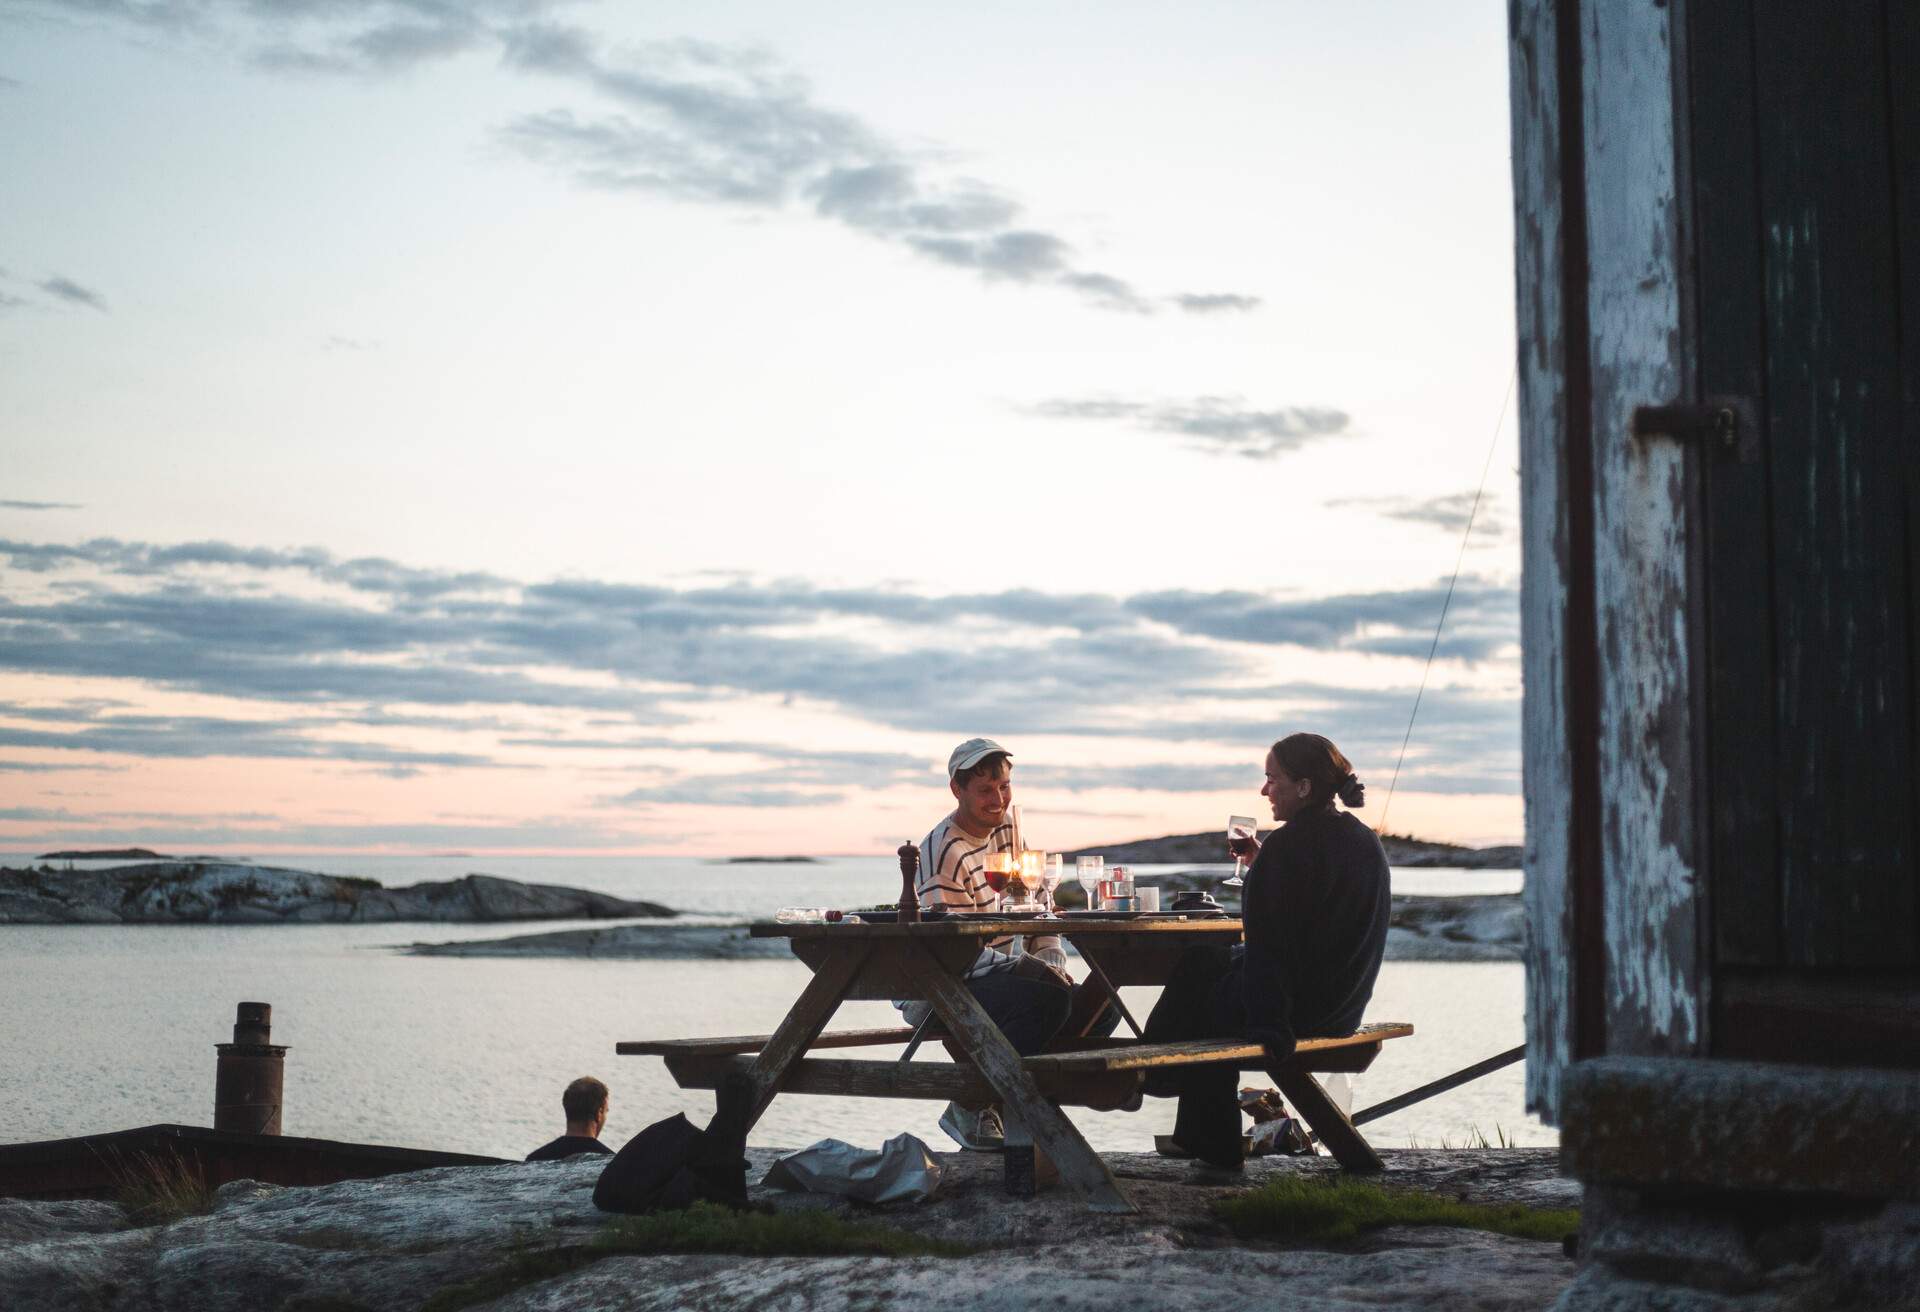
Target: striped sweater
<point>953,875</point>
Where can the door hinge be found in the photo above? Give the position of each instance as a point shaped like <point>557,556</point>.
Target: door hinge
<point>1722,425</point>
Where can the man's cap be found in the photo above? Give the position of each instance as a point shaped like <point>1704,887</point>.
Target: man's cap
<point>970,753</point>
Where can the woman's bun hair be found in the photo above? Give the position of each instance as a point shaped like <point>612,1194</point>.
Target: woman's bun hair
<point>1325,768</point>
<point>1353,793</point>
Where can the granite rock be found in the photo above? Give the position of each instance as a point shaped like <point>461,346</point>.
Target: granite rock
<point>391,1243</point>
<point>214,892</point>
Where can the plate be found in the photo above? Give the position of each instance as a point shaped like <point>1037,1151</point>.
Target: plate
<point>1144,915</point>
<point>998,915</point>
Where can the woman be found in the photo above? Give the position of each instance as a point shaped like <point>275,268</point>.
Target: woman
<point>1315,907</point>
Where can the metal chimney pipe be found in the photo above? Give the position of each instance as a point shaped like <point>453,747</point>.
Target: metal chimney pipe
<point>248,1080</point>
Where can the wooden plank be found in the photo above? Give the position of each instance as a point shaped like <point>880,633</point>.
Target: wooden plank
<point>793,1036</point>
<point>1737,513</point>
<point>884,978</point>
<point>1903,91</point>
<point>1348,1146</point>
<point>1136,961</point>
<point>1817,1018</point>
<point>1144,1056</point>
<point>926,1080</point>
<point>983,1043</point>
<point>1099,980</point>
<point>1839,539</point>
<point>1646,741</point>
<point>1551,551</point>
<point>755,1042</point>
<point>1445,1084</point>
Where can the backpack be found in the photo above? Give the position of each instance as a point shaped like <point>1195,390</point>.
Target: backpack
<point>671,1165</point>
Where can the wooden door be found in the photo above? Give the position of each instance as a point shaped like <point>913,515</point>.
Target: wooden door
<point>1802,130</point>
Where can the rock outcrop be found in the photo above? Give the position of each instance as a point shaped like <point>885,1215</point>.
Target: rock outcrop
<point>1483,928</point>
<point>619,943</point>
<point>392,1243</point>
<point>211,892</point>
<point>1210,848</point>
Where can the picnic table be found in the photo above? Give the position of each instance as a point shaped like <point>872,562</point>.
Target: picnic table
<point>927,959</point>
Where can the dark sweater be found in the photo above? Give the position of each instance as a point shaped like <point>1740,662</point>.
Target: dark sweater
<point>1316,908</point>
<point>567,1145</point>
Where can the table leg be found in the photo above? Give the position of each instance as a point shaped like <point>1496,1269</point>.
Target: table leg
<point>741,1104</point>
<point>1346,1144</point>
<point>969,1026</point>
<point>1113,994</point>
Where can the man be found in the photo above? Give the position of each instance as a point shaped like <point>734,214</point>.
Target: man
<point>1022,985</point>
<point>585,1103</point>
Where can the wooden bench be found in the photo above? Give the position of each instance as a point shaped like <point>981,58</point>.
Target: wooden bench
<point>1081,1072</point>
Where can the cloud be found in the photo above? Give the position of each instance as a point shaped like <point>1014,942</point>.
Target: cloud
<point>73,293</point>
<point>338,343</point>
<point>45,767</point>
<point>765,788</point>
<point>541,833</point>
<point>1218,425</point>
<point>1158,778</point>
<point>713,125</point>
<point>332,646</point>
<point>36,813</point>
<point>1483,620</point>
<point>686,120</point>
<point>191,737</point>
<point>40,505</point>
<point>1449,512</point>
<point>1215,302</point>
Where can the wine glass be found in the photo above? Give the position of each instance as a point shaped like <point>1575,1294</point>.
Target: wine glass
<point>1238,827</point>
<point>998,869</point>
<point>1050,876</point>
<point>1088,871</point>
<point>1031,866</point>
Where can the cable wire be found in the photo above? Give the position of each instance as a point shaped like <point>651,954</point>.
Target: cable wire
<point>1459,561</point>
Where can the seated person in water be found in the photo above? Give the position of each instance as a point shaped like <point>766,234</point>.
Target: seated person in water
<point>1315,906</point>
<point>585,1103</point>
<point>1021,983</point>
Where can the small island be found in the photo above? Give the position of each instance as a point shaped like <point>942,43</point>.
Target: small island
<point>770,861</point>
<point>238,893</point>
<point>106,854</point>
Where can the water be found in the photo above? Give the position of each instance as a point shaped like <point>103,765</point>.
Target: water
<point>108,1027</point>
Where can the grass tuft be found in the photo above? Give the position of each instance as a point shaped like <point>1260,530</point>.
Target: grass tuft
<point>1338,1211</point>
<point>160,1188</point>
<point>702,1228</point>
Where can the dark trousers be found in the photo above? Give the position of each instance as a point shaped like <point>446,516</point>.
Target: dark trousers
<point>1202,1000</point>
<point>1030,1003</point>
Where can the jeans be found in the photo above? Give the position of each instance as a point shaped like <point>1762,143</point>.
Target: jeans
<point>1202,1000</point>
<point>1030,1004</point>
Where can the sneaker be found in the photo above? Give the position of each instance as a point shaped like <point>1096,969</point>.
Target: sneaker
<point>980,1131</point>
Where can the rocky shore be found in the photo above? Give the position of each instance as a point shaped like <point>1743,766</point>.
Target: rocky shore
<point>1210,847</point>
<point>223,893</point>
<point>1471,928</point>
<point>391,1244</point>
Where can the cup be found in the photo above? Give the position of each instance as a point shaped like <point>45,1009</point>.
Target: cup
<point>1146,899</point>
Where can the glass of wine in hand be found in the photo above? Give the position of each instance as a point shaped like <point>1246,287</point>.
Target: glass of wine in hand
<point>1239,829</point>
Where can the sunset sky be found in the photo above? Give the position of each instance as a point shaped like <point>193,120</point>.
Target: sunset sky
<point>514,426</point>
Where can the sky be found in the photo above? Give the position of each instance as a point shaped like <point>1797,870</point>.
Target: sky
<point>529,426</point>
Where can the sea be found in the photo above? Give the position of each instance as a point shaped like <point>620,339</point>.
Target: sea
<point>108,1027</point>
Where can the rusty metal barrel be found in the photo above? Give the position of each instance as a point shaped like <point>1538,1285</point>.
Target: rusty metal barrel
<point>247,1083</point>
